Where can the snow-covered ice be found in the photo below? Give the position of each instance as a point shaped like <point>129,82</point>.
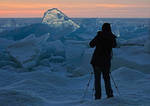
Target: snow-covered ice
<point>47,88</point>
<point>62,71</point>
<point>5,43</point>
<point>36,71</point>
<point>26,50</point>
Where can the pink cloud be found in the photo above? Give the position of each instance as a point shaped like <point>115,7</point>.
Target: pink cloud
<point>75,9</point>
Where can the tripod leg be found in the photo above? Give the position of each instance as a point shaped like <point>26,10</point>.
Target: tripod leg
<point>87,86</point>
<point>115,84</point>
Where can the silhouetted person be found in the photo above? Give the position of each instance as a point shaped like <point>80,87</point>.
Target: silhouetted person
<point>104,41</point>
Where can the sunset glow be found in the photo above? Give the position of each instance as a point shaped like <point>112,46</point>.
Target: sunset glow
<point>75,9</point>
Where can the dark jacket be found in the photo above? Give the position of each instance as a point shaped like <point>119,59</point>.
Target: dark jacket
<point>104,42</point>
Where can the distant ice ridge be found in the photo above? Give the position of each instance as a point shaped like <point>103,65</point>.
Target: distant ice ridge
<point>55,18</point>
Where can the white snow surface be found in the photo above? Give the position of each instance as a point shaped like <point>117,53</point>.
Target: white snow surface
<point>55,73</point>
<point>47,88</point>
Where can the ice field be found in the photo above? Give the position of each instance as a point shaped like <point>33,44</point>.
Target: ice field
<point>53,70</point>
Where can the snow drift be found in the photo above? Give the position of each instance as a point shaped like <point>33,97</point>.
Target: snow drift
<point>47,88</point>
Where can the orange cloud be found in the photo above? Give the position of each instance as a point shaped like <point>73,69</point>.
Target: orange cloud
<point>71,9</point>
<point>67,5</point>
<point>20,13</point>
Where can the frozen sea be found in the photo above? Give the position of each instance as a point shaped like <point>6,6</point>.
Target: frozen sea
<point>40,71</point>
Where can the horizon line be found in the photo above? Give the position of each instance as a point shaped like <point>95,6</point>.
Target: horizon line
<point>78,17</point>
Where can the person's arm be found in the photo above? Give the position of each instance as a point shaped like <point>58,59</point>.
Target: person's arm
<point>94,41</point>
<point>114,42</point>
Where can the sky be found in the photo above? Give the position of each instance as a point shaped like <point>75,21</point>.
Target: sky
<point>76,8</point>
